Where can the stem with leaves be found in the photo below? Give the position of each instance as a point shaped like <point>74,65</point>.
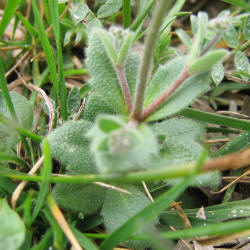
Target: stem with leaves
<point>124,86</point>
<point>155,104</point>
<point>147,58</point>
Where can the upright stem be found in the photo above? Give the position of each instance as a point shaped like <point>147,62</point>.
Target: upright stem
<point>125,88</point>
<point>155,104</point>
<point>147,57</point>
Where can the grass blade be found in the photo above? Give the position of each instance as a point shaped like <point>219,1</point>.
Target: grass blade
<point>47,49</point>
<point>45,179</point>
<point>6,94</point>
<point>53,4</point>
<point>22,131</point>
<point>215,119</point>
<point>126,5</point>
<point>14,159</point>
<point>9,12</point>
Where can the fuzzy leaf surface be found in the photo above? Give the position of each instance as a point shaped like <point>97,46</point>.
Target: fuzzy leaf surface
<point>106,96</point>
<point>246,28</point>
<point>119,148</point>
<point>191,88</point>
<point>24,111</point>
<point>70,146</point>
<point>109,8</point>
<point>119,207</point>
<point>241,63</point>
<point>207,61</point>
<point>217,73</point>
<point>78,197</point>
<point>12,229</point>
<point>74,100</point>
<point>181,143</point>
<point>231,37</point>
<point>104,78</point>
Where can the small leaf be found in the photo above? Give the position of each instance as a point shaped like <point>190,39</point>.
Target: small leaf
<point>12,229</point>
<point>207,61</point>
<point>78,12</point>
<point>119,207</point>
<point>79,36</point>
<point>109,47</point>
<point>217,73</point>
<point>104,79</point>
<point>84,90</point>
<point>163,78</point>
<point>184,37</point>
<point>67,37</point>
<point>246,28</point>
<point>123,53</point>
<point>108,123</point>
<point>74,100</point>
<point>109,8</point>
<point>121,149</point>
<point>106,96</point>
<point>241,63</point>
<point>78,197</point>
<point>70,146</point>
<point>176,128</point>
<point>231,37</point>
<point>25,115</point>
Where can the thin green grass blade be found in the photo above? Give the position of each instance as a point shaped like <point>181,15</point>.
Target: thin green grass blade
<point>53,4</point>
<point>47,49</point>
<point>58,234</point>
<point>5,91</point>
<point>45,179</point>
<point>44,243</point>
<point>14,159</point>
<point>27,24</point>
<point>236,144</point>
<point>84,241</point>
<point>150,212</point>
<point>126,5</point>
<point>9,12</point>
<point>22,131</point>
<point>140,18</point>
<point>210,230</point>
<point>215,119</point>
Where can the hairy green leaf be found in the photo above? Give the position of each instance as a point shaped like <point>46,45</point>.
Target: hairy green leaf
<point>217,73</point>
<point>119,207</point>
<point>207,61</point>
<point>246,28</point>
<point>12,229</point>
<point>231,37</point>
<point>109,8</point>
<point>241,63</point>
<point>163,78</point>
<point>24,113</point>
<point>70,146</point>
<point>79,197</point>
<point>120,148</point>
<point>74,100</point>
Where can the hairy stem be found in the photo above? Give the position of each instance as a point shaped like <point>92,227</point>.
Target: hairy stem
<point>125,88</point>
<point>156,104</point>
<point>147,57</point>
